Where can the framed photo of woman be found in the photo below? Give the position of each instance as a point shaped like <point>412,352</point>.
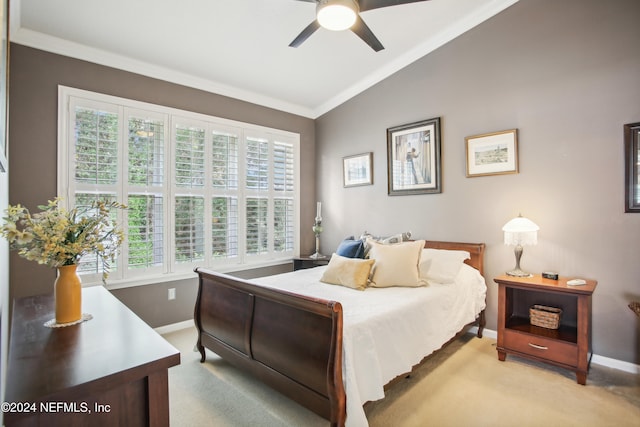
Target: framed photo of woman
<point>413,158</point>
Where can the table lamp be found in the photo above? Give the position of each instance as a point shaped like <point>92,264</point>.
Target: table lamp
<point>317,230</point>
<point>520,232</point>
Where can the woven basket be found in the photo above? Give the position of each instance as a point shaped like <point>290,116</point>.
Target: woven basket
<point>545,317</point>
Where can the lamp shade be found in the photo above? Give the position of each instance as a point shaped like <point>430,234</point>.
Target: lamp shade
<point>336,15</point>
<point>520,231</point>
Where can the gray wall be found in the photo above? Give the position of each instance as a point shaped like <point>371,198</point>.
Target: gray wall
<point>566,74</point>
<point>35,76</point>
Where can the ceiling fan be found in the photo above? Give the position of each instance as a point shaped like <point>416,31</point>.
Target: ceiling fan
<point>340,15</point>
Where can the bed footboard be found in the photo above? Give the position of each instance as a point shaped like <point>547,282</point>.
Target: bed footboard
<point>291,342</point>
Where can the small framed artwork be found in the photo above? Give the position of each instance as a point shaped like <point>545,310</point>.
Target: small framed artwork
<point>413,158</point>
<point>4,61</point>
<point>632,169</point>
<point>358,170</point>
<point>492,153</point>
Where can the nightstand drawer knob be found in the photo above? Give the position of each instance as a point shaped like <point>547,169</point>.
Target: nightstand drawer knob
<point>539,347</point>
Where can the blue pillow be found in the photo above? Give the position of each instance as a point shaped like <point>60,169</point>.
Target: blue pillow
<point>351,248</point>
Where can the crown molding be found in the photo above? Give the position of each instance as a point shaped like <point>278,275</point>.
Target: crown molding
<point>63,47</point>
<point>82,52</point>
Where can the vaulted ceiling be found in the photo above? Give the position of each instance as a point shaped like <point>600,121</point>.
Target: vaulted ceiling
<point>239,48</point>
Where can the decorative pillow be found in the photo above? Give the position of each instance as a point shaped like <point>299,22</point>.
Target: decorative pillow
<point>391,240</point>
<point>441,265</point>
<point>396,265</point>
<point>350,272</point>
<point>367,238</point>
<point>351,248</point>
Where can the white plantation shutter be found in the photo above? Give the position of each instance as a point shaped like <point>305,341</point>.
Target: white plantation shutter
<point>283,167</point>
<point>224,227</point>
<point>257,187</point>
<point>189,156</point>
<point>224,160</point>
<point>190,171</point>
<point>257,226</point>
<point>95,166</point>
<point>96,146</point>
<point>224,189</point>
<point>145,231</point>
<point>146,152</point>
<point>89,264</point>
<point>283,225</point>
<point>200,190</point>
<point>146,170</point>
<point>283,185</point>
<point>189,229</point>
<point>257,165</point>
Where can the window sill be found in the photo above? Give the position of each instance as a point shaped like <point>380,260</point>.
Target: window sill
<point>173,277</point>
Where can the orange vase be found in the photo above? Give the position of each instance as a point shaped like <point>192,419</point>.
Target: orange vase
<point>68,295</point>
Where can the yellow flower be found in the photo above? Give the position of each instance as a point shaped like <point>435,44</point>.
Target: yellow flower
<point>57,236</point>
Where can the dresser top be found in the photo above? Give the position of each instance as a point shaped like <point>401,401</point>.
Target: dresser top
<point>45,362</point>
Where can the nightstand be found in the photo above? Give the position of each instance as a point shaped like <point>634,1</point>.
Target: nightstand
<point>569,346</point>
<point>302,262</point>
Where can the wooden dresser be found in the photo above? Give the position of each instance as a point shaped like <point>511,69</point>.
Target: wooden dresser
<point>110,370</point>
<point>569,346</point>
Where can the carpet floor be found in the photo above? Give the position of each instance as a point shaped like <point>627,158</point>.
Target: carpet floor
<point>462,385</point>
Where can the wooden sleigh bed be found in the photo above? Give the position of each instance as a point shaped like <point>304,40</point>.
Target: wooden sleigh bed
<point>292,342</point>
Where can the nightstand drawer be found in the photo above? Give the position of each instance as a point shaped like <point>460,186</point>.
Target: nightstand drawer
<point>541,347</point>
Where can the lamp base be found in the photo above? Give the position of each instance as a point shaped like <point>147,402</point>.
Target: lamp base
<point>317,255</point>
<point>518,273</point>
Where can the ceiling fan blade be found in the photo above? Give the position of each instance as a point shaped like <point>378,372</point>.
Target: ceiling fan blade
<point>377,4</point>
<point>364,32</point>
<point>305,34</point>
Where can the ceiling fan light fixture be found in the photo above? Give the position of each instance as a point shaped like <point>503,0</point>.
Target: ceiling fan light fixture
<point>336,15</point>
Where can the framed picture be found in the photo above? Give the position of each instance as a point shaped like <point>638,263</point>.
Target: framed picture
<point>492,153</point>
<point>413,158</point>
<point>631,169</point>
<point>4,61</point>
<point>358,170</point>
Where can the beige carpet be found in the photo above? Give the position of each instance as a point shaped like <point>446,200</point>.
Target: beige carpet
<point>464,385</point>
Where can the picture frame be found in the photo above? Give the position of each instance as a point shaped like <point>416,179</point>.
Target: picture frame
<point>493,153</point>
<point>631,169</point>
<point>357,170</point>
<point>4,76</point>
<point>413,158</point>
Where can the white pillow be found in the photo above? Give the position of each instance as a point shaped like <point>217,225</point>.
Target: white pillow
<point>396,265</point>
<point>441,265</point>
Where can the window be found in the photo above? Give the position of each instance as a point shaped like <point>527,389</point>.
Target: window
<point>200,190</point>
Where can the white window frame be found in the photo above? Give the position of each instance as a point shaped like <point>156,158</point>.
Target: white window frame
<point>170,270</point>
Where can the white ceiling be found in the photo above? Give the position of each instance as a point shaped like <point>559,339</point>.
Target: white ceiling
<point>239,48</point>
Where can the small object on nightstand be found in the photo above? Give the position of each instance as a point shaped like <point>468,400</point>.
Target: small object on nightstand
<point>550,275</point>
<point>545,317</point>
<point>576,282</point>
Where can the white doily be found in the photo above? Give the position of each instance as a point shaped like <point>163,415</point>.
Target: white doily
<point>52,323</point>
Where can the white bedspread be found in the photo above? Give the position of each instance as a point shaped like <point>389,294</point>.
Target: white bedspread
<point>387,331</point>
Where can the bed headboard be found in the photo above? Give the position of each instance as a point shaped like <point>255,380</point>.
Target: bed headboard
<point>475,249</point>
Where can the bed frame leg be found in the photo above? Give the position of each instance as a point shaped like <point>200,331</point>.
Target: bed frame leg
<point>482,321</point>
<point>199,347</point>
